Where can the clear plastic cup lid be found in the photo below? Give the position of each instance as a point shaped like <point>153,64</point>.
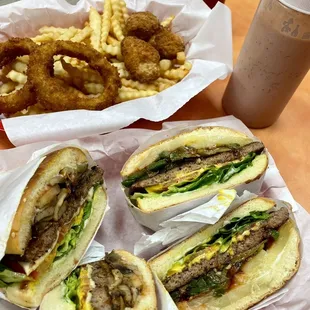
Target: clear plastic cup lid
<point>302,6</point>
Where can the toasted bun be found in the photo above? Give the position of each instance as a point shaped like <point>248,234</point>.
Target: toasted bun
<point>264,274</point>
<point>201,137</point>
<point>49,168</point>
<point>55,300</point>
<point>254,172</point>
<point>32,295</point>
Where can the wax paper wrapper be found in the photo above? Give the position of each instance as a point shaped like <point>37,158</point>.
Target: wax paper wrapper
<point>231,202</point>
<point>13,183</point>
<point>95,252</point>
<point>120,230</point>
<point>208,37</point>
<point>153,219</point>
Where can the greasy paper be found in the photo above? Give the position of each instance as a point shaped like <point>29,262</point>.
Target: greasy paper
<point>119,230</point>
<point>208,39</point>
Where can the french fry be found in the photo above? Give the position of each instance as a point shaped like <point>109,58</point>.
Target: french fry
<point>95,25</point>
<point>125,95</point>
<point>113,41</point>
<point>124,9</point>
<point>88,75</point>
<point>19,66</point>
<point>82,35</point>
<point>7,88</point>
<point>51,29</point>
<point>69,34</point>
<point>116,27</point>
<point>164,81</point>
<point>106,21</point>
<point>181,58</point>
<point>137,85</point>
<point>24,59</point>
<point>94,88</point>
<point>165,64</point>
<point>45,37</point>
<point>17,77</point>
<point>112,50</point>
<point>118,13</point>
<point>179,73</point>
<point>167,21</point>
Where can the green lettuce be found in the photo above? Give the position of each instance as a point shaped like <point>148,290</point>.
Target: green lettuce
<point>8,276</point>
<point>72,283</point>
<point>211,176</point>
<point>69,241</point>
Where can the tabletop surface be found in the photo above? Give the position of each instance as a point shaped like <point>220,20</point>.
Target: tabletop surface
<point>287,140</point>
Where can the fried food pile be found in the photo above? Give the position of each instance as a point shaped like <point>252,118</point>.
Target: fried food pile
<point>116,57</point>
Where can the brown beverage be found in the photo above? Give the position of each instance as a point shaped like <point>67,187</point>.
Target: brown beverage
<point>273,61</point>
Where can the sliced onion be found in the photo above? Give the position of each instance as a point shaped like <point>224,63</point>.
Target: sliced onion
<point>48,196</point>
<point>57,179</point>
<point>61,198</point>
<point>47,212</point>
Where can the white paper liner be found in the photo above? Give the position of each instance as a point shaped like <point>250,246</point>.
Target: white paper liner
<point>208,37</point>
<point>119,230</point>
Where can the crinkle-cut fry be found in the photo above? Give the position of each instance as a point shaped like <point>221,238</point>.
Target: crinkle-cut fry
<point>82,35</point>
<point>19,66</point>
<point>181,58</point>
<point>117,29</point>
<point>123,73</point>
<point>24,59</point>
<point>7,88</point>
<point>95,25</point>
<point>113,41</point>
<point>51,29</point>
<point>60,72</point>
<point>118,13</point>
<point>137,85</point>
<point>94,88</point>
<point>119,65</point>
<point>167,21</point>
<point>163,86</point>
<point>179,73</point>
<point>124,9</point>
<point>165,64</point>
<point>86,74</point>
<point>31,110</point>
<point>4,71</point>
<point>112,50</point>
<point>69,34</point>
<point>106,21</point>
<point>17,77</point>
<point>125,95</point>
<point>161,80</point>
<point>46,37</point>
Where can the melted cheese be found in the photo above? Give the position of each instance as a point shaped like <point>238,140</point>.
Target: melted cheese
<point>85,287</point>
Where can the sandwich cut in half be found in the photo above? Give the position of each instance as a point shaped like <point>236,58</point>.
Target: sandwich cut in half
<point>245,257</point>
<point>191,165</point>
<point>120,281</point>
<point>59,212</point>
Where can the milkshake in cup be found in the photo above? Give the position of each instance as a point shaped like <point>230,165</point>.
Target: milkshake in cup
<point>273,61</point>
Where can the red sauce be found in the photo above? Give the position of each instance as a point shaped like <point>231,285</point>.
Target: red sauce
<point>34,274</point>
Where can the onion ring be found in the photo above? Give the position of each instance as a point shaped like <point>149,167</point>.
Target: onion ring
<point>54,94</point>
<point>24,97</point>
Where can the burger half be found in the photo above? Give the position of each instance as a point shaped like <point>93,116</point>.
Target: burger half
<point>59,212</point>
<point>234,264</point>
<point>120,281</point>
<point>191,165</point>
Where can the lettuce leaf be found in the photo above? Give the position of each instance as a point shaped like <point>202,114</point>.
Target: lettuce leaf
<point>69,241</point>
<point>211,176</point>
<point>8,276</point>
<point>72,283</point>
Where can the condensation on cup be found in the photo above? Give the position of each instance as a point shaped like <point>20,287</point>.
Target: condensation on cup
<point>273,61</point>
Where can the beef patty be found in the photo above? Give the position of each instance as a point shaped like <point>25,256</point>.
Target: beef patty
<point>276,220</point>
<point>186,167</point>
<point>43,240</point>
